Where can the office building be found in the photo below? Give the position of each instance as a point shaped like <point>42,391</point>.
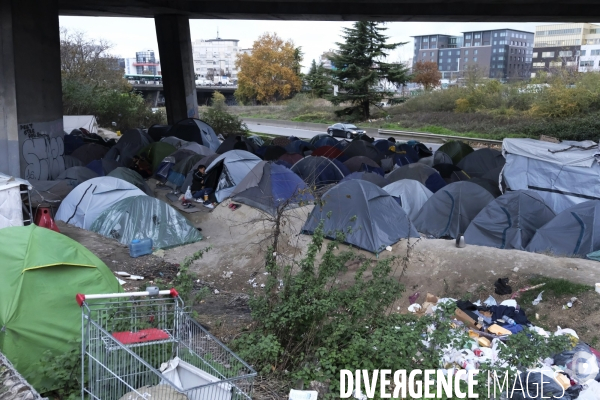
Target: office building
<point>444,50</point>
<point>566,46</point>
<point>215,58</point>
<point>146,63</point>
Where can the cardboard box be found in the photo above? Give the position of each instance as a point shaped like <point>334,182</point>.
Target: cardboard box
<point>484,342</point>
<point>431,298</point>
<point>498,330</point>
<point>466,319</point>
<point>563,381</point>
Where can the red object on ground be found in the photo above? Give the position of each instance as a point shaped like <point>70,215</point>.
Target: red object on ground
<point>145,335</point>
<point>43,218</point>
<point>327,151</point>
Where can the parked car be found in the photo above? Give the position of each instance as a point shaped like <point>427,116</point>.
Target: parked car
<point>347,131</point>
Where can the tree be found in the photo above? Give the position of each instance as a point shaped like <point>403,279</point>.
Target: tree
<point>426,73</point>
<point>317,80</point>
<point>270,72</point>
<point>360,68</point>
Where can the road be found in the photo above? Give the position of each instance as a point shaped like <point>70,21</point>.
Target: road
<point>302,133</point>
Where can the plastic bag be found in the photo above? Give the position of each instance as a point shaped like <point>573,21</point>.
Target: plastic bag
<point>188,194</point>
<point>579,363</point>
<point>591,391</point>
<point>532,387</point>
<point>537,299</point>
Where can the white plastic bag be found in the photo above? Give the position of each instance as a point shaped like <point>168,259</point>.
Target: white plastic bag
<point>188,194</point>
<point>537,299</point>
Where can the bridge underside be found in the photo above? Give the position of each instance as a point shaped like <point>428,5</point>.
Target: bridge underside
<point>347,10</point>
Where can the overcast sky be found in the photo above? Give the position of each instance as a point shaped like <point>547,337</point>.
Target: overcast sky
<point>129,35</point>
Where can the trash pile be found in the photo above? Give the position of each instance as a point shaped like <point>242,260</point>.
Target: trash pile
<point>573,373</point>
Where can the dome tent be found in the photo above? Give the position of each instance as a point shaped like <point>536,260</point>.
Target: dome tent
<point>42,271</point>
<point>479,162</point>
<point>77,175</point>
<point>451,209</point>
<point>127,146</point>
<point>141,217</point>
<point>412,195</point>
<point>194,130</point>
<point>132,177</point>
<point>318,171</point>
<point>82,206</point>
<point>370,218</point>
<point>269,186</point>
<point>571,233</point>
<point>227,170</point>
<point>367,176</point>
<point>189,178</point>
<point>439,157</point>
<point>456,149</point>
<point>355,164</point>
<point>510,221</point>
<point>156,152</point>
<point>419,172</point>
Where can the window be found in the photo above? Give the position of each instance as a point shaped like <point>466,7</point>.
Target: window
<point>548,54</point>
<point>595,53</point>
<point>474,59</point>
<point>566,53</point>
<point>583,52</point>
<point>432,53</point>
<point>467,44</point>
<point>586,63</point>
<point>433,39</point>
<point>425,40</point>
<point>539,65</point>
<point>535,54</point>
<point>441,53</point>
<point>477,44</point>
<point>477,36</point>
<point>502,34</point>
<point>495,34</point>
<point>501,50</point>
<point>468,36</point>
<point>466,52</point>
<point>493,51</point>
<point>556,63</point>
<point>466,59</point>
<point>440,67</point>
<point>495,42</point>
<point>572,63</point>
<point>449,60</point>
<point>501,58</point>
<point>493,58</point>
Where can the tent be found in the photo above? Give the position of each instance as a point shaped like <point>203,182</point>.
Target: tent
<point>510,221</point>
<point>83,205</point>
<point>195,130</point>
<point>132,177</point>
<point>229,144</point>
<point>362,148</point>
<point>479,162</point>
<point>269,186</point>
<point>451,209</point>
<point>141,217</point>
<point>174,141</point>
<point>76,175</point>
<point>157,132</point>
<point>367,176</point>
<point>564,174</point>
<point>42,271</point>
<point>90,152</point>
<point>451,173</point>
<point>71,161</point>
<point>49,192</point>
<point>290,158</point>
<point>419,172</point>
<point>323,140</point>
<point>356,164</point>
<point>370,218</point>
<point>273,153</point>
<point>227,170</point>
<point>11,204</point>
<point>206,161</point>
<point>383,145</point>
<point>179,171</point>
<point>87,122</point>
<point>329,152</point>
<point>128,146</point>
<point>404,155</point>
<point>318,171</point>
<point>299,147</point>
<point>104,166</point>
<point>420,148</point>
<point>198,149</point>
<point>456,149</point>
<point>156,152</point>
<point>411,195</point>
<point>488,185</point>
<point>281,141</point>
<point>570,233</point>
<point>439,157</point>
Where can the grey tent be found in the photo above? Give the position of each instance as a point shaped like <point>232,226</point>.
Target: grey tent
<point>76,175</point>
<point>451,209</point>
<point>132,177</point>
<point>367,176</point>
<point>228,170</point>
<point>174,141</point>
<point>489,185</point>
<point>571,233</point>
<point>195,130</point>
<point>71,161</point>
<point>270,187</point>
<point>127,147</point>
<point>510,221</point>
<point>370,218</point>
<point>480,162</point>
<point>411,194</point>
<point>198,149</point>
<point>49,192</point>
<point>419,172</point>
<point>456,149</point>
<point>83,205</point>
<point>90,152</point>
<point>318,171</point>
<point>355,164</point>
<point>141,217</point>
<point>190,175</point>
<point>439,157</point>
<point>229,143</point>
<point>362,148</point>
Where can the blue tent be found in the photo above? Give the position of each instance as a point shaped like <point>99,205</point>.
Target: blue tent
<point>419,172</point>
<point>324,140</point>
<point>372,177</point>
<point>318,171</point>
<point>299,146</point>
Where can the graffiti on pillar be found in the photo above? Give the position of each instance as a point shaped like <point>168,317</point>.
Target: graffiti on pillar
<point>42,153</point>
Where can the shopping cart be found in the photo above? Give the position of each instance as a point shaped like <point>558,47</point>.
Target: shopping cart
<point>144,345</point>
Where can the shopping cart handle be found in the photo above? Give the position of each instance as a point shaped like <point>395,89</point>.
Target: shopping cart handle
<point>81,298</point>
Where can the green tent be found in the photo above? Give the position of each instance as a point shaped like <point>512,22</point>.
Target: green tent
<point>42,271</point>
<point>156,152</point>
<point>456,149</point>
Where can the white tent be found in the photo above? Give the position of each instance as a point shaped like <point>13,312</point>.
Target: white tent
<point>88,122</point>
<point>83,205</point>
<point>11,206</point>
<point>563,174</point>
<point>413,194</point>
<point>227,170</point>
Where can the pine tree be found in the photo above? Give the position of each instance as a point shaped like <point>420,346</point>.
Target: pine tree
<point>359,67</point>
<point>317,79</point>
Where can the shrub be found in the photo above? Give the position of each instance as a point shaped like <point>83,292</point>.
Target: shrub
<point>220,120</point>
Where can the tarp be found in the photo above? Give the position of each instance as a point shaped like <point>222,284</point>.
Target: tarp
<point>228,170</point>
<point>132,177</point>
<point>156,152</point>
<point>456,149</point>
<point>510,221</point>
<point>88,200</point>
<point>195,130</point>
<point>11,206</point>
<point>563,179</point>
<point>370,218</point>
<point>480,162</point>
<point>141,217</point>
<point>128,146</point>
<point>270,187</point>
<point>317,171</point>
<point>367,176</point>
<point>90,152</point>
<point>412,195</point>
<point>87,122</point>
<point>450,210</point>
<point>573,232</point>
<point>42,271</point>
<point>419,172</point>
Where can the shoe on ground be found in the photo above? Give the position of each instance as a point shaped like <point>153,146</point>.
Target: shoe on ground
<point>209,205</point>
<point>199,200</point>
<point>181,197</point>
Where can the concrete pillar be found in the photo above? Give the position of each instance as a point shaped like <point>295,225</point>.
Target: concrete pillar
<point>177,65</point>
<point>30,89</point>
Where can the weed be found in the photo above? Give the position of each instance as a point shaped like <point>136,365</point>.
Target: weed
<point>553,288</point>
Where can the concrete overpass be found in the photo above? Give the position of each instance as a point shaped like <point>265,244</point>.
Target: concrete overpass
<point>31,130</point>
<point>155,94</point>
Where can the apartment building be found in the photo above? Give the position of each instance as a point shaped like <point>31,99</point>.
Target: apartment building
<point>573,45</point>
<point>444,50</point>
<point>215,58</point>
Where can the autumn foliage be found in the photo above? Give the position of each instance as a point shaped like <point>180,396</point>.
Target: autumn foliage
<point>270,72</point>
<point>427,74</point>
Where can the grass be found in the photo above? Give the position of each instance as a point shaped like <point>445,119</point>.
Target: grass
<point>553,288</point>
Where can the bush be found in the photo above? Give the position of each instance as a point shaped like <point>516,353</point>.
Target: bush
<point>220,120</point>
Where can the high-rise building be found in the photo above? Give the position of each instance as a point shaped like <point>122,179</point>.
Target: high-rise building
<point>500,53</point>
<point>215,58</point>
<point>566,45</point>
<point>146,63</point>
